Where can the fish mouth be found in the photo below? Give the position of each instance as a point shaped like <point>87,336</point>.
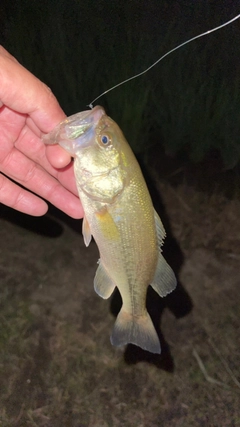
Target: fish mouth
<point>75,131</point>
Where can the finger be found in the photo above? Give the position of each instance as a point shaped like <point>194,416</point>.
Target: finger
<point>29,141</point>
<point>57,156</point>
<point>61,167</point>
<point>4,52</point>
<point>34,148</point>
<point>17,198</point>
<point>27,173</point>
<point>23,92</point>
<point>31,145</point>
<point>67,178</point>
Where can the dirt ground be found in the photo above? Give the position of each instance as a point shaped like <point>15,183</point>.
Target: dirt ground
<point>57,366</point>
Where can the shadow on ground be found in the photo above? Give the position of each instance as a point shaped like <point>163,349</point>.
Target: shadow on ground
<point>57,366</point>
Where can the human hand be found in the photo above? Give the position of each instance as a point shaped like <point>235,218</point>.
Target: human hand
<point>28,109</point>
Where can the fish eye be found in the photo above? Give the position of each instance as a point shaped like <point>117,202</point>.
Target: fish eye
<point>105,139</point>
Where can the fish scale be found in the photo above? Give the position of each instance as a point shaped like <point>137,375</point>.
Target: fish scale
<point>119,214</point>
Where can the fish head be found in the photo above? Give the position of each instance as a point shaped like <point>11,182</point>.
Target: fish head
<point>100,151</point>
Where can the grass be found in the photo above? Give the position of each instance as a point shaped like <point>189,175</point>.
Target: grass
<point>201,110</point>
<point>57,366</point>
<point>189,102</point>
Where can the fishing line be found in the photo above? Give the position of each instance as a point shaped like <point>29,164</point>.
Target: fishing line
<point>162,57</point>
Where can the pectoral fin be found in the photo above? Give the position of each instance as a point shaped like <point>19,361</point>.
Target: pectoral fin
<point>164,280</point>
<point>103,284</point>
<point>87,235</point>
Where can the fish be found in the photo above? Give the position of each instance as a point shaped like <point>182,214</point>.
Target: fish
<point>119,214</point>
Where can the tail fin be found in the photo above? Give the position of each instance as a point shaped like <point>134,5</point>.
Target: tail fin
<point>135,330</point>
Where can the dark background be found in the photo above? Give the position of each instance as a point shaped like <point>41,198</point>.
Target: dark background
<point>188,103</point>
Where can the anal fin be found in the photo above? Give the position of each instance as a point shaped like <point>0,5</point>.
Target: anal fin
<point>103,284</point>
<point>164,280</point>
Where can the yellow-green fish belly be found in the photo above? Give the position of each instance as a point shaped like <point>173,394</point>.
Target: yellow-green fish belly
<point>126,237</point>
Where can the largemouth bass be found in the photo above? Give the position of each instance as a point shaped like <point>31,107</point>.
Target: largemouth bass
<point>119,214</point>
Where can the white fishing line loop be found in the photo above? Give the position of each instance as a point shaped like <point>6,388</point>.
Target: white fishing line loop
<point>162,57</point>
